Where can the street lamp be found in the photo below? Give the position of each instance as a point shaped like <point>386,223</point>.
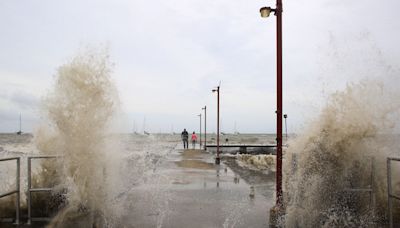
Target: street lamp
<point>265,12</point>
<point>200,129</point>
<point>217,159</point>
<point>205,127</point>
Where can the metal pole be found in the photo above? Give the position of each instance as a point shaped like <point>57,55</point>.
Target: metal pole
<point>389,183</point>
<point>29,191</point>
<point>205,127</point>
<point>279,103</point>
<point>372,193</point>
<point>200,129</point>
<point>17,202</point>
<point>217,159</point>
<point>285,116</point>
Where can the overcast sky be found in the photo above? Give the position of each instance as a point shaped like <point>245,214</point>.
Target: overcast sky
<point>170,54</point>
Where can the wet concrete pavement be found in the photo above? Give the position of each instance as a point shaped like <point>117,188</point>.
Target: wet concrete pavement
<point>186,189</point>
<point>190,191</point>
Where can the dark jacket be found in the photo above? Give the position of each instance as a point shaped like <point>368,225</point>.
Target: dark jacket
<point>185,135</point>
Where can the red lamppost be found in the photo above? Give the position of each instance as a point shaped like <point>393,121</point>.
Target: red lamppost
<point>200,129</point>
<point>205,127</point>
<point>217,159</point>
<point>265,12</point>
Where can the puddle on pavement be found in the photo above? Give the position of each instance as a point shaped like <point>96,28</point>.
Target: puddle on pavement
<point>194,164</point>
<point>193,159</point>
<point>192,154</point>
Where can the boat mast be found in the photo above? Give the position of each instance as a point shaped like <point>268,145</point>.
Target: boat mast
<point>20,127</point>
<point>144,125</point>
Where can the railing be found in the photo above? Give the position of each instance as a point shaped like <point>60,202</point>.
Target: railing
<point>31,190</point>
<point>369,189</point>
<point>16,191</point>
<point>390,193</point>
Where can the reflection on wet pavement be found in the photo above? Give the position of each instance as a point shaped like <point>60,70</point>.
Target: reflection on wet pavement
<point>189,190</point>
<point>194,164</point>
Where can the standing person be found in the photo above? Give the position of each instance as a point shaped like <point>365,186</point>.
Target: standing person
<point>194,139</point>
<point>185,138</point>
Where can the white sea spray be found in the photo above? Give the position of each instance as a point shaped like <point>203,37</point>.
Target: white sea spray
<point>79,112</point>
<point>354,130</point>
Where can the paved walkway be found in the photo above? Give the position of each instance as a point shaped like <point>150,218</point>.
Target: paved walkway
<point>193,192</point>
<point>186,189</point>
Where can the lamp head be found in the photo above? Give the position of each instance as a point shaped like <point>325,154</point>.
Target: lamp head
<point>266,11</point>
<point>214,90</point>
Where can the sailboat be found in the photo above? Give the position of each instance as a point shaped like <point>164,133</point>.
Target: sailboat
<point>20,129</point>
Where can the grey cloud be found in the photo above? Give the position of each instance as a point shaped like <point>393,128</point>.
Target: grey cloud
<point>169,54</point>
<point>24,100</point>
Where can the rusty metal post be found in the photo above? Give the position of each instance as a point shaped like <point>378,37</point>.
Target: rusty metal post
<point>265,12</point>
<point>278,13</point>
